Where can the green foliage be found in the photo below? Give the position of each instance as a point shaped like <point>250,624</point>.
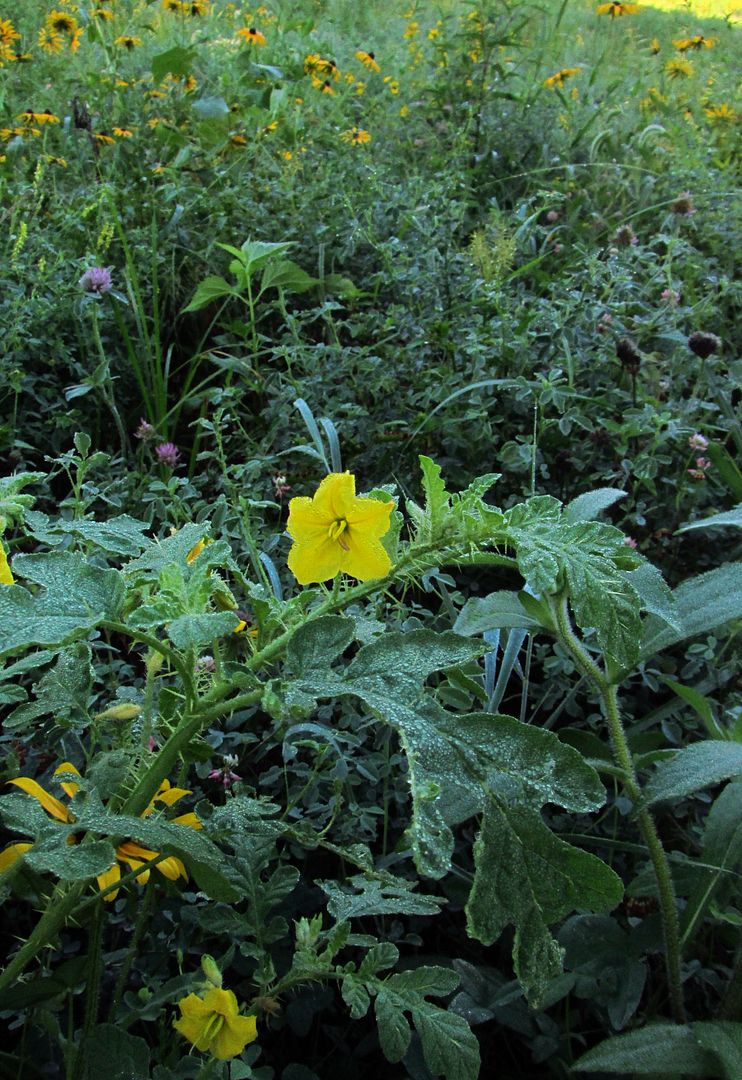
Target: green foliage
<point>700,1049</point>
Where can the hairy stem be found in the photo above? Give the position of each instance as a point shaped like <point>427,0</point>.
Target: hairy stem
<point>622,753</point>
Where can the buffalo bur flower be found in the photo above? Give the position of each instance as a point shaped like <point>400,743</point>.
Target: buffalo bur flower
<point>97,279</point>
<point>336,531</point>
<point>213,1024</point>
<point>168,453</point>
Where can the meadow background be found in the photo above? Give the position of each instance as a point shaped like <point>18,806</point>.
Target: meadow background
<point>244,247</point>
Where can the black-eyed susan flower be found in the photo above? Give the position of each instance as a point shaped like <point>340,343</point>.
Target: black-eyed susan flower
<point>104,14</point>
<point>560,77</point>
<point>129,853</point>
<point>368,59</point>
<point>122,133</point>
<point>103,138</point>
<point>30,118</point>
<point>698,41</point>
<point>61,22</point>
<point>49,41</point>
<point>173,5</point>
<point>335,531</point>
<point>195,8</point>
<point>654,46</point>
<point>616,9</point>
<point>213,1024</point>
<point>678,67</point>
<point>127,42</point>
<point>356,136</point>
<point>721,114</point>
<point>8,33</point>
<point>251,35</point>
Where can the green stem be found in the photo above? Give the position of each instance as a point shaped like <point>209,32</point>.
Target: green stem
<point>622,753</point>
<point>141,924</point>
<point>61,904</point>
<point>92,992</point>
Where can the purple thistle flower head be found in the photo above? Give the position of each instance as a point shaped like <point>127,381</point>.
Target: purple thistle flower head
<point>97,279</point>
<point>168,453</point>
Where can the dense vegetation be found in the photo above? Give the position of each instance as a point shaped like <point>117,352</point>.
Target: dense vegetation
<point>370,576</point>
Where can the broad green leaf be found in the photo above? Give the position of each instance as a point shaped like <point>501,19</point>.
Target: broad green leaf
<point>587,506</point>
<point>286,275</point>
<point>210,289</point>
<point>173,549</point>
<point>449,1046</point>
<point>120,535</point>
<point>319,642</point>
<point>499,610</point>
<point>175,61</point>
<point>73,599</point>
<point>527,876</point>
<point>608,963</point>
<point>70,862</point>
<point>655,595</point>
<point>589,558</point>
<point>114,1053</point>
<point>729,519</point>
<point>62,692</point>
<point>193,631</point>
<point>724,1040</point>
<point>670,1049</point>
<point>696,767</point>
<point>721,858</point>
<point>377,898</point>
<point>701,604</point>
<point>355,995</point>
<point>211,108</point>
<point>13,505</point>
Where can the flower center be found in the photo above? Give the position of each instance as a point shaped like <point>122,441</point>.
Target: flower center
<point>213,1026</point>
<point>336,530</point>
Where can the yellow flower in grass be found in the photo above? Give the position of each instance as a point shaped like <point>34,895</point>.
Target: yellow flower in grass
<point>698,41</point>
<point>123,133</point>
<point>356,136</point>
<point>251,35</point>
<point>8,33</point>
<point>213,1024</point>
<point>368,60</point>
<point>616,9</point>
<point>30,118</point>
<point>60,22</point>
<point>127,42</point>
<point>336,531</point>
<point>559,77</point>
<point>677,67</point>
<point>722,114</point>
<point>129,853</point>
<point>6,577</point>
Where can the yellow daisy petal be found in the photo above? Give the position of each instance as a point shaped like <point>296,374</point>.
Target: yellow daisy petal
<point>68,787</point>
<point>110,877</point>
<point>12,854</point>
<point>52,806</point>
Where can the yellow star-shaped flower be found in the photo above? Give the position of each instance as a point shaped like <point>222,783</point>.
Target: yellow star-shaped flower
<point>214,1025</point>
<point>336,531</point>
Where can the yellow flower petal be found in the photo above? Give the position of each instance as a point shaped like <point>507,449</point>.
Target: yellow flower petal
<point>237,1032</point>
<point>52,806</point>
<point>371,516</point>
<point>68,787</point>
<point>191,820</point>
<point>315,560</point>
<point>109,878</point>
<point>365,559</point>
<point>335,495</point>
<point>172,869</point>
<point>12,854</point>
<point>6,578</point>
<point>305,519</point>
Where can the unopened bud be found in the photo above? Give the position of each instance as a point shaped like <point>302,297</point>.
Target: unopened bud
<point>211,971</point>
<point>127,710</point>
<point>154,661</point>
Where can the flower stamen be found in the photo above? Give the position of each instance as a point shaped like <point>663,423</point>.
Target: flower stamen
<point>336,531</point>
